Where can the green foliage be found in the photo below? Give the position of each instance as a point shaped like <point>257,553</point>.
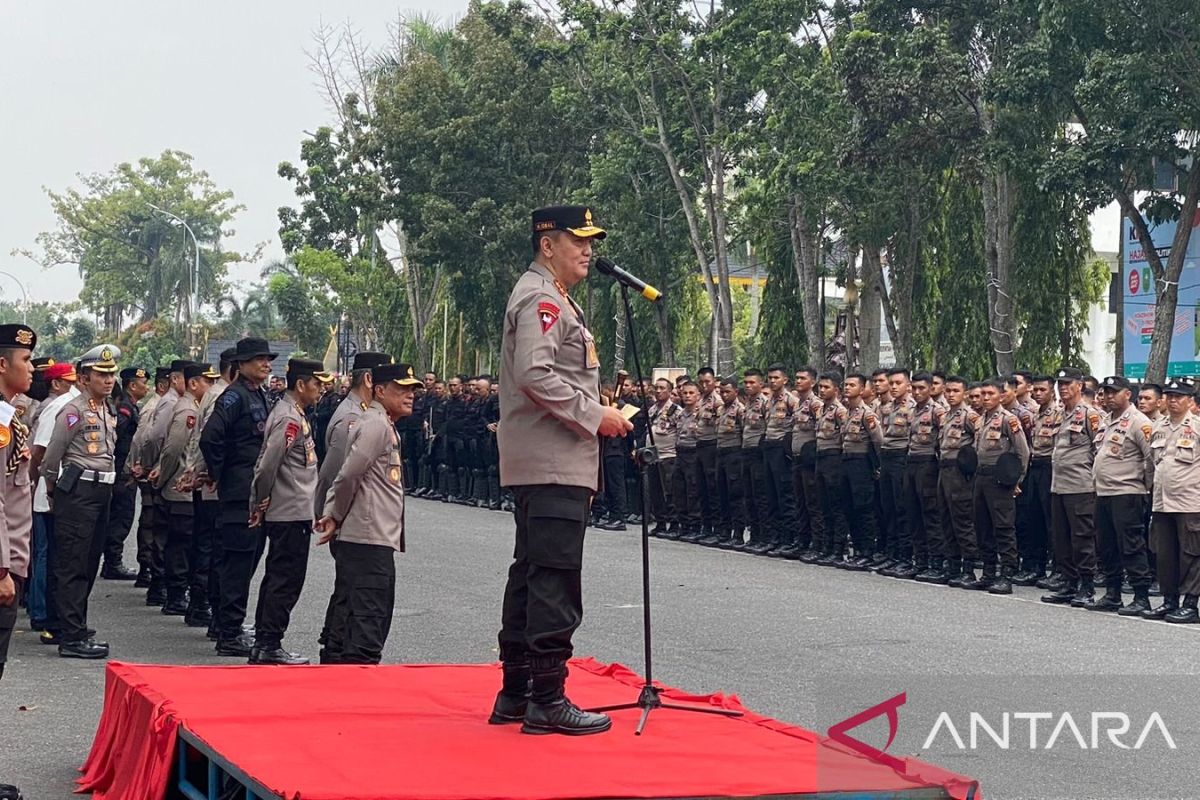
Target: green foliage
<point>135,261</point>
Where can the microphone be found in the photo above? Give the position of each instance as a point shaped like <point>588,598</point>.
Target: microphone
<point>625,279</point>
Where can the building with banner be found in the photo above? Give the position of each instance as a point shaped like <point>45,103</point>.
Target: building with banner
<point>1139,289</point>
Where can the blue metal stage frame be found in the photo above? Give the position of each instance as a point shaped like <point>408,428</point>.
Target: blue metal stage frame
<point>193,757</point>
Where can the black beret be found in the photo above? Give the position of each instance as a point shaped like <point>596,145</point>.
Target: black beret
<point>18,336</point>
<point>1008,469</point>
<point>161,373</point>
<point>229,353</point>
<point>967,460</point>
<point>181,364</point>
<point>132,373</point>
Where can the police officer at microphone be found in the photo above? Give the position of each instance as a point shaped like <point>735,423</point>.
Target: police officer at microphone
<point>551,417</point>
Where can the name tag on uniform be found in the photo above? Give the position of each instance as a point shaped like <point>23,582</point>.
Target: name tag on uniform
<point>589,344</point>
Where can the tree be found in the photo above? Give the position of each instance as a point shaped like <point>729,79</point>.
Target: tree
<point>1127,73</point>
<point>134,260</point>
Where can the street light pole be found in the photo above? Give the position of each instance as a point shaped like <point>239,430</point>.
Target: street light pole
<point>24,293</point>
<point>194,300</point>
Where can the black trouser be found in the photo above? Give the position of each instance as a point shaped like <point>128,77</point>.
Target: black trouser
<point>756,495</point>
<point>893,528</point>
<point>1175,539</point>
<point>831,481</point>
<point>287,566</point>
<point>781,503</point>
<point>614,485</point>
<point>924,529</point>
<point>158,539</point>
<point>120,520</point>
<point>1073,523</point>
<point>731,490</point>
<point>706,465</point>
<point>858,477</point>
<point>359,616</point>
<point>686,489</point>
<point>180,527</point>
<point>205,555</point>
<point>662,500</point>
<point>8,619</point>
<point>80,530</point>
<point>1033,509</point>
<point>1121,536</point>
<point>145,529</point>
<point>810,499</point>
<point>995,521</point>
<point>543,599</point>
<point>241,548</point>
<point>957,512</point>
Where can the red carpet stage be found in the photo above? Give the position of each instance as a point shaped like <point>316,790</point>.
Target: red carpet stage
<point>417,731</point>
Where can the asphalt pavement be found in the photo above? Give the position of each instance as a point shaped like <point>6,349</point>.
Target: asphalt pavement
<point>805,644</point>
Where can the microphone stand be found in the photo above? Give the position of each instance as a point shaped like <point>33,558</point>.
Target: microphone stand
<point>649,697</point>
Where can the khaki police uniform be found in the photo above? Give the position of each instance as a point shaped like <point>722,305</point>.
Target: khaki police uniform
<point>921,507</point>
<point>956,489</point>
<point>806,487</point>
<point>782,409</point>
<point>829,540</point>
<point>207,502</point>
<point>79,464</point>
<point>754,425</point>
<point>861,442</point>
<point>664,423</point>
<point>730,489</point>
<point>1073,496</point>
<point>16,498</point>
<point>177,503</point>
<point>1123,474</point>
<point>1175,529</point>
<point>146,518</point>
<point>152,448</point>
<point>366,500</point>
<point>687,480</point>
<point>995,506</point>
<point>550,456</point>
<point>705,495</point>
<point>1033,505</point>
<point>285,479</point>
<point>895,539</point>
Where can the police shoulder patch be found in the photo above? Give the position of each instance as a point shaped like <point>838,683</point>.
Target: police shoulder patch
<point>1093,419</point>
<point>1014,424</point>
<point>124,412</point>
<point>1146,429</point>
<point>871,421</point>
<point>191,421</point>
<point>548,314</point>
<point>290,432</point>
<point>229,400</point>
<point>72,420</point>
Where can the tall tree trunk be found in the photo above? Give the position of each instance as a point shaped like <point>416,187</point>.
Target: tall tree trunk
<point>806,247</point>
<point>997,223</point>
<point>720,224</point>
<point>870,309</point>
<point>1166,276</point>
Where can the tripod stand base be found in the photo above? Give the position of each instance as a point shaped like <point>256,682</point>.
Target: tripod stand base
<point>649,699</point>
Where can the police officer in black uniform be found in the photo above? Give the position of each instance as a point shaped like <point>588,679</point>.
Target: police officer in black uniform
<point>230,443</point>
<point>126,397</point>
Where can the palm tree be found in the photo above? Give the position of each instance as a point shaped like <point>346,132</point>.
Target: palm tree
<point>253,315</point>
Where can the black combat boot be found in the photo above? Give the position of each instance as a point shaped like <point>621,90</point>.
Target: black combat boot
<point>1185,614</point>
<point>1111,601</point>
<point>1170,603</point>
<point>549,710</point>
<point>1084,594</point>
<point>156,595</point>
<point>1003,582</point>
<point>958,573</point>
<point>493,482</point>
<point>1063,595</point>
<point>986,576</point>
<point>10,792</point>
<point>1140,604</point>
<point>1054,583</point>
<point>176,605</point>
<point>513,696</point>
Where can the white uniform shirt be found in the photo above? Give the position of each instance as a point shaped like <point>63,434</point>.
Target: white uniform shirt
<point>41,436</point>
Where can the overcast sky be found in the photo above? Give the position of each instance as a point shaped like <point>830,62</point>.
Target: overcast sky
<point>85,85</point>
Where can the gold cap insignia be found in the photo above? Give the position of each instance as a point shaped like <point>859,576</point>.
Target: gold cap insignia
<point>105,354</point>
<point>25,337</point>
<point>587,218</point>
